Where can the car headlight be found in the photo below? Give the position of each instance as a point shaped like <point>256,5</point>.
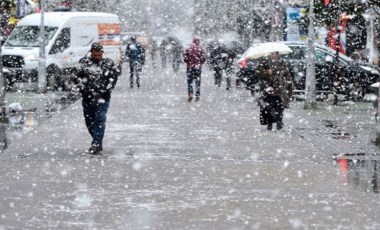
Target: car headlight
<point>370,69</point>
<point>31,57</point>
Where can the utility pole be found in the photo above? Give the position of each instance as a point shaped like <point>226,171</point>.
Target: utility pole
<point>2,85</point>
<point>377,140</point>
<point>276,21</point>
<point>336,66</point>
<point>42,58</point>
<point>374,57</point>
<point>336,81</point>
<point>310,90</point>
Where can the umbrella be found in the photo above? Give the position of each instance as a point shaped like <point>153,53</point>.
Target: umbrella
<point>264,49</point>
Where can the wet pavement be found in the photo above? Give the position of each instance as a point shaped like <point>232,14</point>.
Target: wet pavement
<point>36,108</point>
<point>360,171</point>
<point>171,164</point>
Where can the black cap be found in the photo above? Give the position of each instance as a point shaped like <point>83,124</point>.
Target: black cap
<point>96,46</point>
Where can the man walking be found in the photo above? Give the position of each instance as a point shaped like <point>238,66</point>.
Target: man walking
<point>222,58</point>
<point>136,55</point>
<point>96,77</point>
<point>176,52</point>
<point>194,57</point>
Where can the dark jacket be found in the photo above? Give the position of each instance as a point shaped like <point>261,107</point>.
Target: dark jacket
<point>5,27</point>
<point>280,77</point>
<point>194,56</point>
<point>135,52</point>
<point>163,47</point>
<point>221,57</point>
<point>176,52</point>
<point>271,108</point>
<point>96,81</point>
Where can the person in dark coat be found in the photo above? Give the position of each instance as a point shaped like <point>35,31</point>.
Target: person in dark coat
<point>221,59</point>
<point>176,53</point>
<point>216,62</point>
<point>271,109</point>
<point>274,73</point>
<point>153,53</point>
<point>5,27</point>
<point>96,78</point>
<point>136,55</point>
<point>164,53</point>
<point>194,57</point>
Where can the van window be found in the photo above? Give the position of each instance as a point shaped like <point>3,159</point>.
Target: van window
<point>27,36</point>
<point>83,34</point>
<point>62,42</point>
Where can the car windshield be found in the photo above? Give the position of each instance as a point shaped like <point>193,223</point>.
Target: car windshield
<point>300,52</point>
<point>333,52</point>
<point>27,36</point>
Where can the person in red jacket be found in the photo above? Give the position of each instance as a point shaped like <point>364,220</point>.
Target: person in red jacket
<point>332,37</point>
<point>194,57</point>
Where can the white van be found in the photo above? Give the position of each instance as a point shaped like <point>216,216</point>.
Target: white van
<point>69,36</point>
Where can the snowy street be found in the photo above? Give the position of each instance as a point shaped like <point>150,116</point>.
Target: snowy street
<point>173,164</point>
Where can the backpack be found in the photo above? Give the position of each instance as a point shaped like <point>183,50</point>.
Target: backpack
<point>135,52</point>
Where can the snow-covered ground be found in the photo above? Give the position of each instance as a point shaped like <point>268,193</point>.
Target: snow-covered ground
<point>171,164</point>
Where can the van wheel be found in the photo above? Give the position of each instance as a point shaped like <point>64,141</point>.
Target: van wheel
<point>53,77</point>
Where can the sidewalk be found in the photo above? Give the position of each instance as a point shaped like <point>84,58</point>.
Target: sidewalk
<point>36,108</point>
<point>349,127</point>
<point>33,101</point>
<point>171,164</point>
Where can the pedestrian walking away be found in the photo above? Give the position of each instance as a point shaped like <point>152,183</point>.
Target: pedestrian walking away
<point>96,77</point>
<point>153,47</point>
<point>194,57</point>
<point>221,59</point>
<point>164,53</point>
<point>274,75</point>
<point>176,53</point>
<point>136,55</point>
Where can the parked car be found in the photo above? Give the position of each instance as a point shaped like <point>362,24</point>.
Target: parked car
<point>355,77</point>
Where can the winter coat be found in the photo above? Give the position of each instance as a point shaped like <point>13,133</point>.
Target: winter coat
<point>176,52</point>
<point>135,52</point>
<point>163,49</point>
<point>5,27</point>
<point>271,108</point>
<point>153,48</point>
<point>95,81</point>
<point>280,79</point>
<point>221,58</point>
<point>194,56</point>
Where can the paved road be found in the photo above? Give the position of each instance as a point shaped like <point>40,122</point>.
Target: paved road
<point>171,164</point>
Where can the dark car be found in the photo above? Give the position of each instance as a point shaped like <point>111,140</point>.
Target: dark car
<point>355,77</point>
